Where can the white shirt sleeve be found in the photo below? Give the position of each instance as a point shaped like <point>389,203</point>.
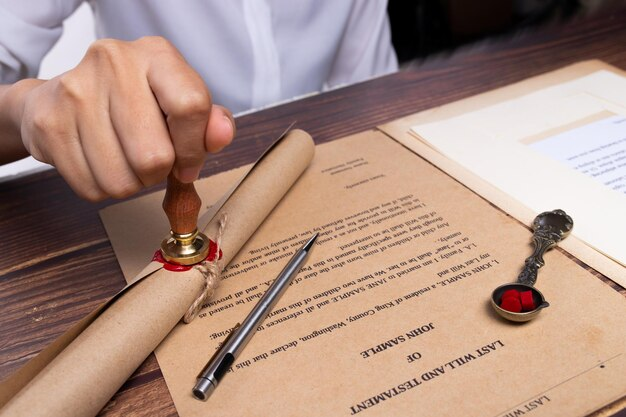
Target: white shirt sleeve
<point>250,53</point>
<point>365,49</point>
<point>28,30</point>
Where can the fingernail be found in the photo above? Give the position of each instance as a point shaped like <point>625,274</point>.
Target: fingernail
<point>187,175</point>
<point>228,125</point>
<point>231,125</point>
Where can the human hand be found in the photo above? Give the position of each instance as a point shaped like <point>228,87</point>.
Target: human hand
<point>123,118</point>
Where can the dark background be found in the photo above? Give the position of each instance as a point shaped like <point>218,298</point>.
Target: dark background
<point>425,28</point>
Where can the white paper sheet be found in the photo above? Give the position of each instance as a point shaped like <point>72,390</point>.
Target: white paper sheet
<point>496,143</point>
<point>597,150</point>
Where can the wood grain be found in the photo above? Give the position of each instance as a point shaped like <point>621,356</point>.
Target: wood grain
<point>57,264</point>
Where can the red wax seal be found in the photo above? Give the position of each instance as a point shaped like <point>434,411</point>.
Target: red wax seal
<point>510,293</point>
<point>171,266</point>
<point>511,304</point>
<point>528,304</point>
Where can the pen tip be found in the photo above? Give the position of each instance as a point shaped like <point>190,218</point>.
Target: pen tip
<point>309,244</point>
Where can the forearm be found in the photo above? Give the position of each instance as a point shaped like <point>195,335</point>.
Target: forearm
<point>11,108</point>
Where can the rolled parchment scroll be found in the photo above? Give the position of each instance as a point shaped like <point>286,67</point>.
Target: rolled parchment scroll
<point>92,364</point>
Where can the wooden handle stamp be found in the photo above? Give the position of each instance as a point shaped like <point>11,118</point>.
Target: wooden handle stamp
<point>185,245</point>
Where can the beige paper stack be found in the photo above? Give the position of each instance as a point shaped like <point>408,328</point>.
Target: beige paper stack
<point>84,369</point>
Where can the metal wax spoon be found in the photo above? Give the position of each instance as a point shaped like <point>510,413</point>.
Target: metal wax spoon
<point>549,228</point>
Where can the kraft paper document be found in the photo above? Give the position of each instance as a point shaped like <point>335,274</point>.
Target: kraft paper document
<point>391,314</point>
<point>497,144</point>
<point>82,370</point>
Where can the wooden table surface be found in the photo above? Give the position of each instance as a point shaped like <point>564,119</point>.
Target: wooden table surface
<point>57,264</point>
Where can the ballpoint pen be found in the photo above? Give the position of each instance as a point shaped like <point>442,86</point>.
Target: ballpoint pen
<point>239,337</point>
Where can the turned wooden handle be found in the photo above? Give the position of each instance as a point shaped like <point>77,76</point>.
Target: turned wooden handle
<point>181,205</point>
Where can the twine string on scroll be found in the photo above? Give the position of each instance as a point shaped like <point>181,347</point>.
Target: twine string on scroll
<point>211,271</point>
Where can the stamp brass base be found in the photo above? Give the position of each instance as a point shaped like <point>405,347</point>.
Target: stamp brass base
<point>185,249</point>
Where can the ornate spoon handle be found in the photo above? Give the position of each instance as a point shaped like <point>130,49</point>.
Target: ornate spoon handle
<point>549,228</point>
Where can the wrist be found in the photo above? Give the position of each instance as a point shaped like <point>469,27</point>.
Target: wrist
<point>12,99</point>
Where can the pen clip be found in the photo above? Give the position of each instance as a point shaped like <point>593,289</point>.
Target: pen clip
<point>217,352</point>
